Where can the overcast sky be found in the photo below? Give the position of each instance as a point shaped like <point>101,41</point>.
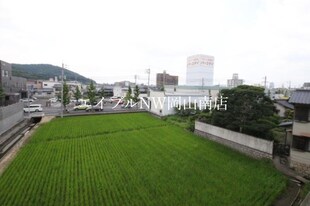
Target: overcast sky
<point>114,40</point>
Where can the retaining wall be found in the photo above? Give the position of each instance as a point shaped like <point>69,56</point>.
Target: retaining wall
<point>10,116</point>
<point>300,161</point>
<point>249,145</point>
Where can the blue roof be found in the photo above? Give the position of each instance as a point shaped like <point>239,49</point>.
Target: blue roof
<point>300,97</point>
<point>285,104</point>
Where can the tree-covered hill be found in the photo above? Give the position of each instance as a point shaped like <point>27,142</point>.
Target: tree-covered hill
<point>45,71</point>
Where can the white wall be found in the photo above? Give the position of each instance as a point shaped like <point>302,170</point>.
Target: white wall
<point>239,138</point>
<point>300,156</point>
<point>117,91</point>
<point>48,84</point>
<point>301,128</point>
<point>163,103</point>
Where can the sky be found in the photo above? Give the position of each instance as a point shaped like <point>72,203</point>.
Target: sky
<point>112,41</point>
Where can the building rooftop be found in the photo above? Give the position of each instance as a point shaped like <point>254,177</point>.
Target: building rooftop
<point>286,124</point>
<point>300,97</point>
<point>285,104</point>
<point>214,87</point>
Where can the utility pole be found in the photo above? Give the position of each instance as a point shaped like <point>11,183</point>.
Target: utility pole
<point>265,82</point>
<point>28,102</point>
<point>62,90</point>
<point>136,79</point>
<point>164,78</point>
<point>148,78</point>
<point>148,71</point>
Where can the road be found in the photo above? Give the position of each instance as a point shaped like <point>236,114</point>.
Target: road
<point>54,109</point>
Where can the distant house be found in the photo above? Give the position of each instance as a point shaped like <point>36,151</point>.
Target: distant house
<point>300,150</point>
<point>166,79</point>
<point>13,87</point>
<point>282,106</point>
<point>120,89</point>
<point>235,81</point>
<point>306,85</point>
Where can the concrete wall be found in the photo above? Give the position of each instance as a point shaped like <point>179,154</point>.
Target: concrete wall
<point>300,161</point>
<point>10,116</point>
<point>249,145</point>
<point>301,129</point>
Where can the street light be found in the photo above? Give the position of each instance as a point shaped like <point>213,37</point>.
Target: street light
<point>62,90</point>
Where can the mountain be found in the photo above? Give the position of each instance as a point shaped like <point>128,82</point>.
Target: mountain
<point>45,72</point>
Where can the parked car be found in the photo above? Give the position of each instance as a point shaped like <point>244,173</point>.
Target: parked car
<point>113,99</point>
<point>27,100</point>
<point>127,106</point>
<point>80,107</point>
<point>53,100</point>
<point>95,108</point>
<point>33,108</point>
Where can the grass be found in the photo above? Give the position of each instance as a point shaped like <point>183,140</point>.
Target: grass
<point>182,122</point>
<point>133,159</point>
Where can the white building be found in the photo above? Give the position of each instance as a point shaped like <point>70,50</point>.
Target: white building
<point>200,69</point>
<point>235,81</point>
<point>119,91</point>
<point>49,84</point>
<point>162,103</point>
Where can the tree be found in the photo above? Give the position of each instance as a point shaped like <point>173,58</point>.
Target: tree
<point>2,95</point>
<point>249,111</point>
<point>66,97</point>
<point>186,110</point>
<point>288,114</point>
<point>128,94</point>
<point>136,94</point>
<point>101,92</point>
<point>91,93</point>
<point>77,94</point>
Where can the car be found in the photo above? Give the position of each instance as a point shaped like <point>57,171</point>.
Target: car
<point>114,99</point>
<point>53,100</point>
<point>126,106</point>
<point>94,108</point>
<point>80,107</point>
<point>34,98</point>
<point>26,100</point>
<point>33,108</point>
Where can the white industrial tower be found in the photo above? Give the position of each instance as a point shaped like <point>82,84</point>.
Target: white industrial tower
<point>200,69</point>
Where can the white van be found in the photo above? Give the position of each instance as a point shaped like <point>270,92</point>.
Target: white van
<point>33,108</point>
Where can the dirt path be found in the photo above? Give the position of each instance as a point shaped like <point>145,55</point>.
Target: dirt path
<point>289,196</point>
<point>8,158</point>
<point>292,191</point>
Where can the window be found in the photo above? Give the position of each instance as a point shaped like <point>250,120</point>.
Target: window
<point>300,143</point>
<point>45,85</point>
<point>6,73</point>
<point>302,114</point>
